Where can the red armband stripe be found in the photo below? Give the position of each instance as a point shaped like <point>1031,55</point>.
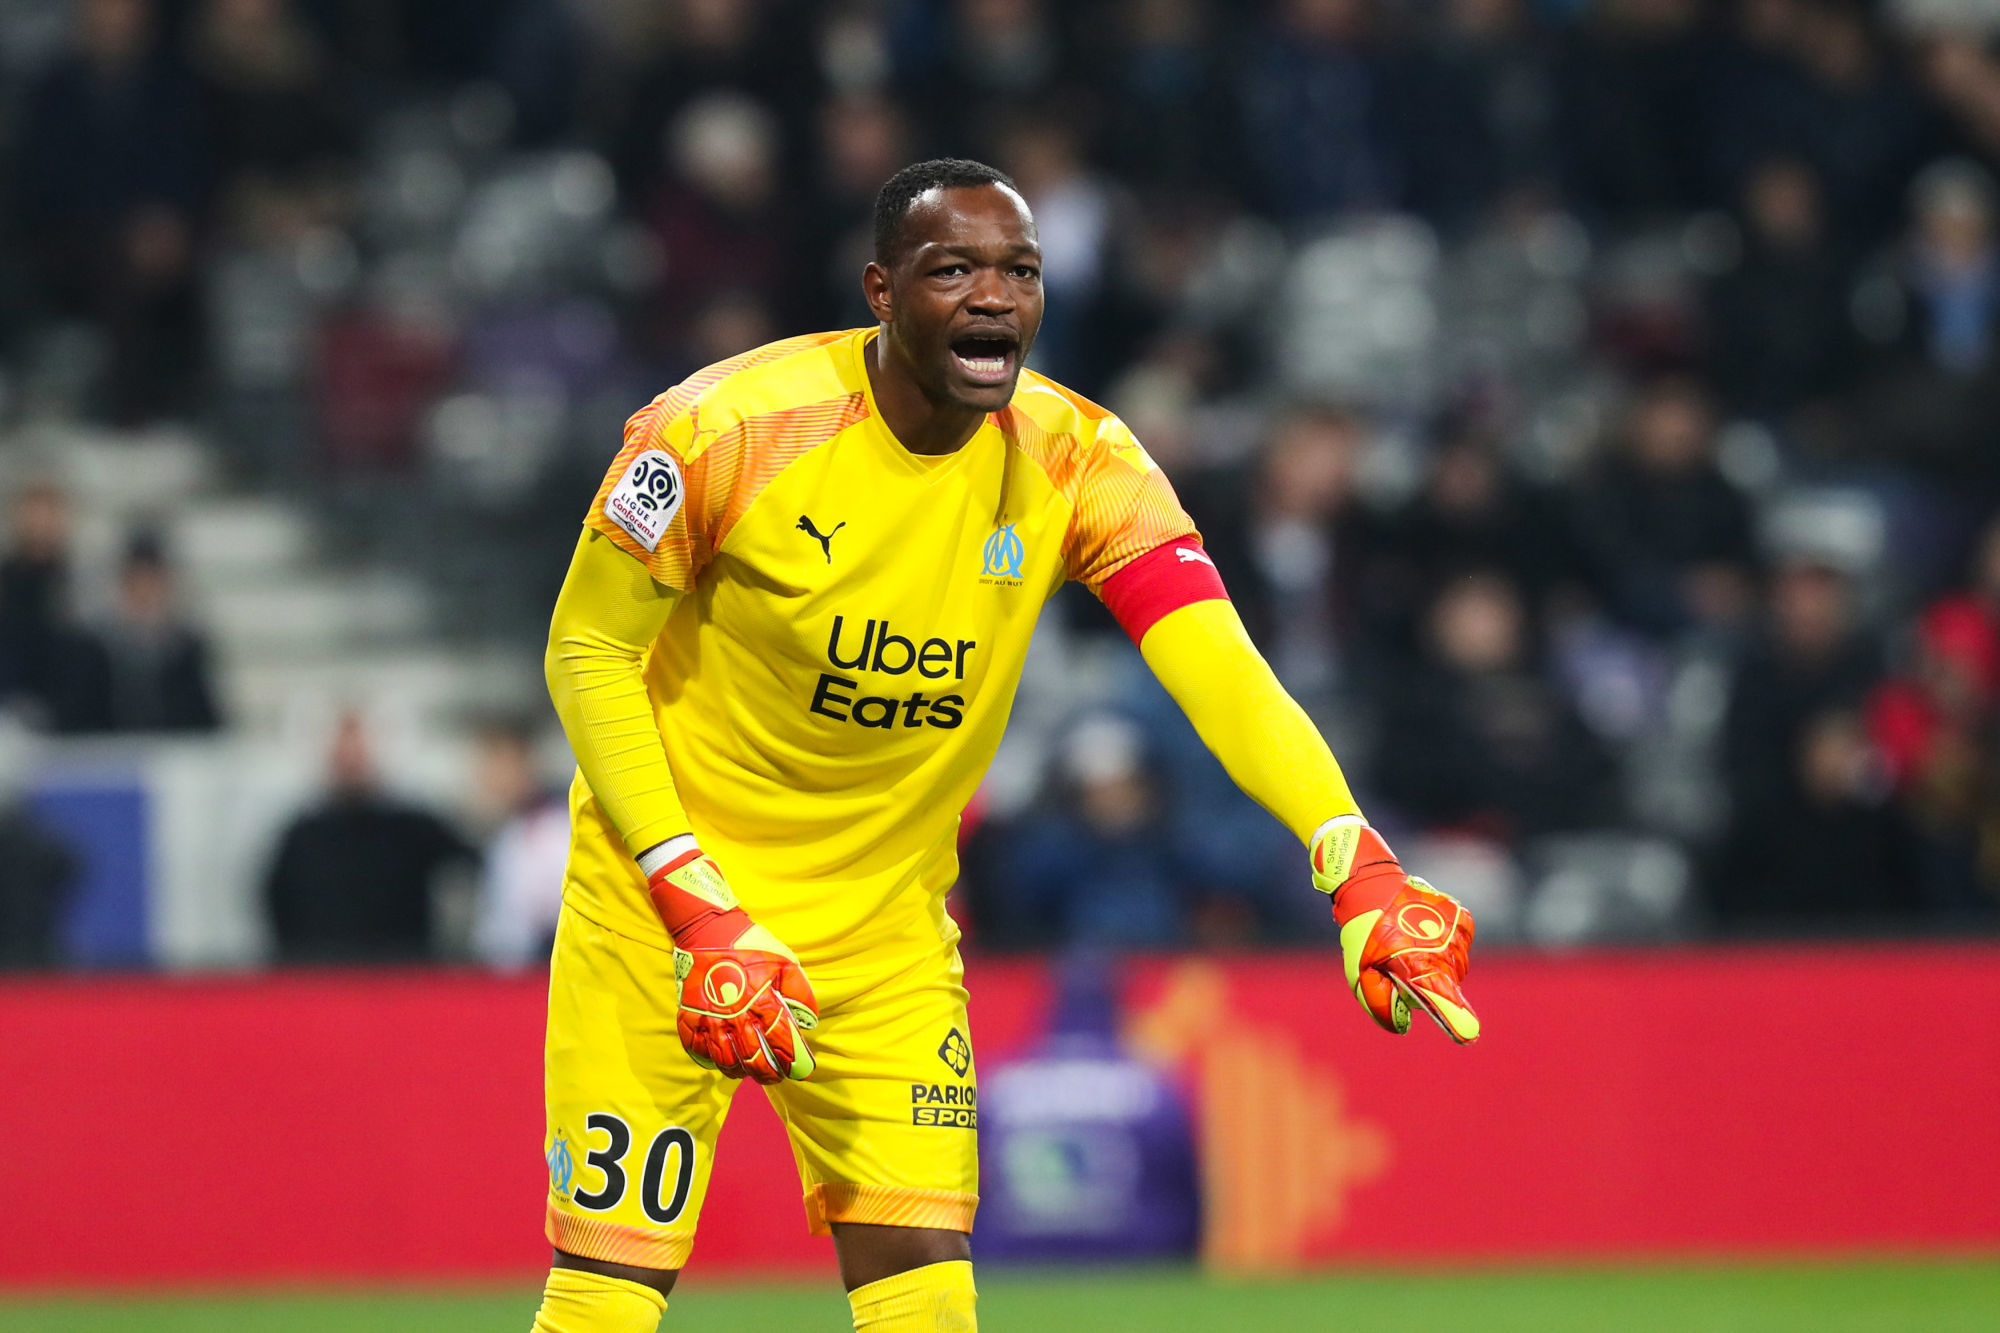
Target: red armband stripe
<point>1170,576</point>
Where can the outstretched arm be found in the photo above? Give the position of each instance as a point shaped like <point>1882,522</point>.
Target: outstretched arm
<point>1403,942</point>
<point>744,999</point>
<point>1271,749</point>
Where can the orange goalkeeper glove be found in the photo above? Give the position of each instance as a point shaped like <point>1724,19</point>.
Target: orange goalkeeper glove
<point>745,1004</point>
<point>1403,942</point>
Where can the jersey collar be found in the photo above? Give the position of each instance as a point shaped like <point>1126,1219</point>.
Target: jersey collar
<point>929,468</point>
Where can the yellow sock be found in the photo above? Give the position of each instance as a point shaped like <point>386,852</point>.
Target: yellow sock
<point>936,1298</point>
<point>578,1302</point>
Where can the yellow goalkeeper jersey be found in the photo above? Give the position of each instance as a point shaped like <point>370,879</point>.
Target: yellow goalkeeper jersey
<point>836,678</point>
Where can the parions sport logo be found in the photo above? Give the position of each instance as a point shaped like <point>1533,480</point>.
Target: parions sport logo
<point>875,649</point>
<point>944,1105</point>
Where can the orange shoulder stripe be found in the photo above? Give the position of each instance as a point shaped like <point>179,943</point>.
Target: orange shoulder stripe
<point>738,464</point>
<point>647,421</point>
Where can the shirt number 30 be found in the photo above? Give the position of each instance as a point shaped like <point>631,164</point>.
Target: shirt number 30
<point>660,1207</point>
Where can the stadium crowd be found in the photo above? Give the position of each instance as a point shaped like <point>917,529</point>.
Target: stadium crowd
<point>1589,403</point>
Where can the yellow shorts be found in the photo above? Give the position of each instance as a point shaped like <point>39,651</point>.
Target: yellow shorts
<point>883,1132</point>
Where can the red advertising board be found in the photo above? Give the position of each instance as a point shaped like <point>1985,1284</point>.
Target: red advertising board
<point>1747,1101</point>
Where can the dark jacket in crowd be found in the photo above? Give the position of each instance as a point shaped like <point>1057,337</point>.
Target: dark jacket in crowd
<point>1642,531</point>
<point>1501,753</point>
<point>1788,855</point>
<point>36,872</point>
<point>352,881</point>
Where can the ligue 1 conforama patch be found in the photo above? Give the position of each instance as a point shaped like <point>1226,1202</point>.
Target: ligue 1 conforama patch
<point>647,497</point>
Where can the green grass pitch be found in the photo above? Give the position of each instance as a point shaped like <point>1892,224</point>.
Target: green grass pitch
<point>1935,1296</point>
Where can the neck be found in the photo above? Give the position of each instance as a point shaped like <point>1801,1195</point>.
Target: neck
<point>919,424</point>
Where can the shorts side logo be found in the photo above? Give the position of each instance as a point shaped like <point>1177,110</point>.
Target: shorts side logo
<point>956,1052</point>
<point>562,1166</point>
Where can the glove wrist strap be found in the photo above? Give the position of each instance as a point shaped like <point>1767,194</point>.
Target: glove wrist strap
<point>694,920</point>
<point>666,855</point>
<point>1338,821</point>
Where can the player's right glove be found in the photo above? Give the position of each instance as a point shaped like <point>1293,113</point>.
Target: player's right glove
<point>745,1004</point>
<point>1402,941</point>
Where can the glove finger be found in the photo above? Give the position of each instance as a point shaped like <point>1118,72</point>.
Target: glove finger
<point>798,995</point>
<point>694,1041</point>
<point>1384,1003</point>
<point>777,1024</point>
<point>791,1045</point>
<point>761,1063</point>
<point>725,1051</point>
<point>1437,994</point>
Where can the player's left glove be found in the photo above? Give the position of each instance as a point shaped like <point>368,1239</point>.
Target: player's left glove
<point>745,1003</point>
<point>1402,941</point>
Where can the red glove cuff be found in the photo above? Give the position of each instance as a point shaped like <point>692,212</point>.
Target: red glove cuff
<point>694,922</point>
<point>1372,879</point>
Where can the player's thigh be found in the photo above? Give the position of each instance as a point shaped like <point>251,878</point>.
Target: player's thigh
<point>868,1252</point>
<point>885,1131</point>
<point>632,1121</point>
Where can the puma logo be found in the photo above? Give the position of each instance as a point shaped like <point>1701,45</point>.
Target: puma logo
<point>825,540</point>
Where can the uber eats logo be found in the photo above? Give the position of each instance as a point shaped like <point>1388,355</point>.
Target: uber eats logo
<point>876,648</point>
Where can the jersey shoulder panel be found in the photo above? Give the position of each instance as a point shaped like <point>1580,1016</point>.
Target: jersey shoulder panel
<point>1121,503</point>
<point>720,437</point>
<point>720,381</point>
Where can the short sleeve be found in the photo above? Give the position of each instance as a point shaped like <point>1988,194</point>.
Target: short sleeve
<point>653,501</point>
<point>1125,507</point>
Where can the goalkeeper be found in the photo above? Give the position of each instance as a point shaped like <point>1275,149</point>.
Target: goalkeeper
<point>784,655</point>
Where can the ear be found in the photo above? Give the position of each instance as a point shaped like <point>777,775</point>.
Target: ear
<point>875,287</point>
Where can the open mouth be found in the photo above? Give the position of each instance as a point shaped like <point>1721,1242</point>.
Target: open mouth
<point>986,358</point>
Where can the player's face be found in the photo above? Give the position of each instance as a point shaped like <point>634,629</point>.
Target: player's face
<point>963,301</point>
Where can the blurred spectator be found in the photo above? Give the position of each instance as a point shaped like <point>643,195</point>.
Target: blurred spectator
<point>155,663</point>
<point>1935,730</point>
<point>111,166</point>
<point>1812,80</point>
<point>979,61</point>
<point>722,224</point>
<point>354,877</point>
<point>1778,320</point>
<point>1472,513</point>
<point>1073,215</point>
<point>1316,117</point>
<point>1634,110</point>
<point>50,668</point>
<point>748,49</point>
<point>863,140</point>
<point>33,595</point>
<point>1098,867</point>
<point>520,891</point>
<point>1965,78</point>
<point>1666,535</point>
<point>1478,739</point>
<point>1476,111</point>
<point>276,116</point>
<point>1170,124</point>
<point>1952,272</point>
<point>1796,762</point>
<point>1932,308</point>
<point>1300,551</point>
<point>1841,852</point>
<point>37,870</point>
<point>380,367</point>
